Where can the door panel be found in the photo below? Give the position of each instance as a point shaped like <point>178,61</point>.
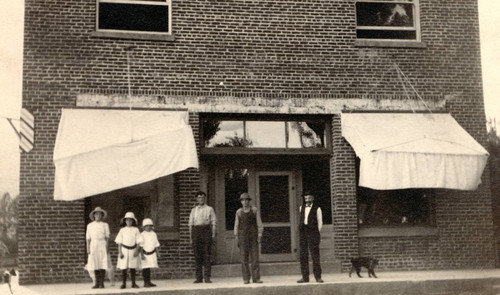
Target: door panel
<point>274,194</point>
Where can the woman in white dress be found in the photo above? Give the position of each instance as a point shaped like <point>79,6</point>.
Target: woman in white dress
<point>128,240</point>
<point>97,237</point>
<point>149,251</point>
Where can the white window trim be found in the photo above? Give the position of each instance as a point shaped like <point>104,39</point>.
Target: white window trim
<point>127,34</point>
<point>393,42</point>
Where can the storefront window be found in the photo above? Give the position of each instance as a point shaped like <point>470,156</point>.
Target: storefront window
<point>401,207</point>
<point>394,207</point>
<point>154,199</point>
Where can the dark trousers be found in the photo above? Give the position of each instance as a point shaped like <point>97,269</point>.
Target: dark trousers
<point>202,244</point>
<point>249,253</point>
<point>309,241</point>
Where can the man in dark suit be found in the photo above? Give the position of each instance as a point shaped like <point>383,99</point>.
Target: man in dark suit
<point>311,222</point>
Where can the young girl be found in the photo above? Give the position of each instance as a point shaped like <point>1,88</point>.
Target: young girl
<point>149,251</point>
<point>97,237</point>
<point>128,240</point>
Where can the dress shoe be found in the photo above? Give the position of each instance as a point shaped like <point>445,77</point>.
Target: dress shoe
<point>302,281</point>
<point>151,284</point>
<point>134,285</point>
<point>319,280</point>
<point>197,282</point>
<point>258,282</point>
<point>208,281</point>
<point>123,286</point>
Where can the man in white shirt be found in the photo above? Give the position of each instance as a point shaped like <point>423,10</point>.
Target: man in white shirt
<point>311,222</point>
<point>202,225</point>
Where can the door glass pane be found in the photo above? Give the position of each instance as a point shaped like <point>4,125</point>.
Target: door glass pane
<point>276,240</point>
<point>236,183</point>
<point>274,199</point>
<point>266,134</point>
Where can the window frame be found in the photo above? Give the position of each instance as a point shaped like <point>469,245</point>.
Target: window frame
<point>130,34</point>
<point>384,42</point>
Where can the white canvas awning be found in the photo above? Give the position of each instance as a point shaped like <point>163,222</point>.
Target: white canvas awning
<point>399,151</point>
<point>100,150</point>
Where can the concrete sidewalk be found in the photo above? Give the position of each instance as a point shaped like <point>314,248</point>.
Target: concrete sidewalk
<point>402,282</point>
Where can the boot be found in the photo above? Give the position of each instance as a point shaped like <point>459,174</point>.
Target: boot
<point>96,274</point>
<point>145,273</point>
<point>124,279</point>
<point>132,278</point>
<point>103,275</point>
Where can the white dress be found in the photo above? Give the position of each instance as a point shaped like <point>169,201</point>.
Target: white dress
<point>150,243</point>
<point>129,236</point>
<point>97,233</point>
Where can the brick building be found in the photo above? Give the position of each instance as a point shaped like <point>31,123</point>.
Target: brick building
<point>242,71</point>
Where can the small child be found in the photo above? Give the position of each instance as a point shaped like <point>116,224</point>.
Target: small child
<point>128,240</point>
<point>149,251</point>
<point>97,237</point>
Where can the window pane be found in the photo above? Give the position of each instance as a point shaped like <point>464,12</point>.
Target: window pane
<point>224,134</point>
<point>133,17</point>
<point>384,14</point>
<point>236,183</point>
<point>394,207</point>
<point>316,181</point>
<point>266,134</point>
<point>306,134</point>
<point>274,198</point>
<point>382,34</point>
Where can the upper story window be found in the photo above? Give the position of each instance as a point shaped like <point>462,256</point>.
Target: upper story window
<point>136,19</point>
<point>387,20</point>
<point>259,133</point>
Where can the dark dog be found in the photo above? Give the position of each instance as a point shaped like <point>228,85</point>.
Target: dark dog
<point>7,277</point>
<point>369,262</point>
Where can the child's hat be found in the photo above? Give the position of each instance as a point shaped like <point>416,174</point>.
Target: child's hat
<point>130,215</point>
<point>147,221</point>
<point>98,209</point>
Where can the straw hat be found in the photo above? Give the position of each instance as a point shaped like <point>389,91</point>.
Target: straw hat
<point>98,209</point>
<point>130,215</point>
<point>244,196</point>
<point>147,221</point>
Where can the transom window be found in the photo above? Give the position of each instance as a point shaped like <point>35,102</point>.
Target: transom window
<point>134,17</point>
<point>388,20</point>
<point>257,133</point>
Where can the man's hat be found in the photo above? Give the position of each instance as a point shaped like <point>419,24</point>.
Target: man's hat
<point>98,209</point>
<point>245,196</point>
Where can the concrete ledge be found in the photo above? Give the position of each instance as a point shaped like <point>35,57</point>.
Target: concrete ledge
<point>455,282</point>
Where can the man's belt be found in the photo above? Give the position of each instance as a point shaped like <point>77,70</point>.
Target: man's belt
<point>148,253</point>
<point>129,247</point>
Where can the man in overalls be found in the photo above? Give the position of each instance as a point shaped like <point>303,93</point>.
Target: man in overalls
<point>248,233</point>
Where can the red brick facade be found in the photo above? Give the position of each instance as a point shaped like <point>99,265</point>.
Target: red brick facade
<point>298,49</point>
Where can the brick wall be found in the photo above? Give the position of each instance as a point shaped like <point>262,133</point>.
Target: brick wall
<point>291,47</point>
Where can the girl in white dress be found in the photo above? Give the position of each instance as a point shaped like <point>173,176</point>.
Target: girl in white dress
<point>149,251</point>
<point>128,240</point>
<point>97,237</point>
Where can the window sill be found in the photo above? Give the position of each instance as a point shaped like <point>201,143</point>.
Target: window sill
<point>136,36</point>
<point>396,231</point>
<point>386,43</point>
